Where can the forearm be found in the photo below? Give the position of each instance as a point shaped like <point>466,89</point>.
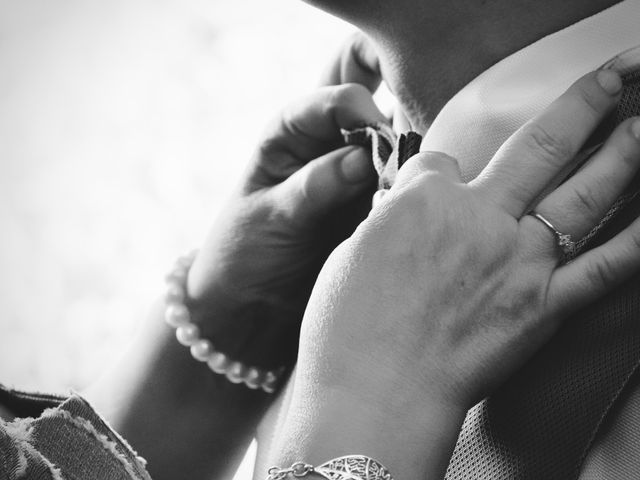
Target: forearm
<point>179,415</point>
<point>413,442</point>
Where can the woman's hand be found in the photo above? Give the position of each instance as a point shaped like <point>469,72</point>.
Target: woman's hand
<point>447,288</point>
<point>304,193</point>
<point>247,289</point>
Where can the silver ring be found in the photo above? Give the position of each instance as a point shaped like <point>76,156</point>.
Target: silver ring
<point>566,245</point>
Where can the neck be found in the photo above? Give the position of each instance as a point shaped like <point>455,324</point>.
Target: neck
<point>436,53</point>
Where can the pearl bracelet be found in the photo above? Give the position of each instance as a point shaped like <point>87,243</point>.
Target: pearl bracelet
<point>188,334</point>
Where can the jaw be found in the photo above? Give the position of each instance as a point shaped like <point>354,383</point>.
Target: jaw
<point>430,49</point>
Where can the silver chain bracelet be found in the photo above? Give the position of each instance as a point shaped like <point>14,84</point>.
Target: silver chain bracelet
<point>349,467</point>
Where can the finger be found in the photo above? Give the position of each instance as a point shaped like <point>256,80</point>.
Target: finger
<point>580,203</point>
<point>541,149</point>
<point>311,127</point>
<point>595,272</point>
<point>424,162</point>
<point>326,183</point>
<point>378,196</point>
<point>357,62</point>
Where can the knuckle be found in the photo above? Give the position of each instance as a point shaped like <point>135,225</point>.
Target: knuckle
<point>306,189</point>
<point>413,171</point>
<point>289,126</point>
<point>587,200</point>
<point>417,189</point>
<point>635,240</point>
<point>423,161</point>
<point>431,171</point>
<point>435,160</point>
<point>554,149</point>
<point>415,163</point>
<point>602,271</point>
<point>626,147</point>
<point>593,99</point>
<point>295,209</point>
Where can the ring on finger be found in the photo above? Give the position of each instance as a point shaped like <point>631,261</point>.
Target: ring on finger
<point>563,240</point>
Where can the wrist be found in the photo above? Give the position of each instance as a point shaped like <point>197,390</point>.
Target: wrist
<point>249,329</point>
<point>189,333</point>
<point>250,332</point>
<point>414,443</point>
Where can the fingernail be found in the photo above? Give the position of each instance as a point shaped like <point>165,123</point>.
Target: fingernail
<point>610,81</point>
<point>635,128</point>
<point>356,166</point>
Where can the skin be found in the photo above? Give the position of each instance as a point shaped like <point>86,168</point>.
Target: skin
<point>183,418</point>
<point>400,339</point>
<point>427,51</point>
<point>430,49</point>
<point>254,272</point>
<point>208,426</point>
<point>174,411</point>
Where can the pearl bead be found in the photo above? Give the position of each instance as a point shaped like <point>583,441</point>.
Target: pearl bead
<point>236,373</point>
<point>202,350</point>
<point>188,334</point>
<point>253,378</point>
<point>174,293</point>
<point>270,382</point>
<point>218,362</point>
<point>177,315</point>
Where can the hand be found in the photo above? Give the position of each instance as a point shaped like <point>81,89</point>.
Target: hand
<point>303,194</point>
<point>447,288</point>
<point>356,62</point>
<point>247,289</point>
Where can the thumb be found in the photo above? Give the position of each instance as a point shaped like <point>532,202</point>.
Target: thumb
<point>326,183</point>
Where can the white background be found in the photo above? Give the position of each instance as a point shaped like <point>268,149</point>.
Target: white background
<point>122,126</point>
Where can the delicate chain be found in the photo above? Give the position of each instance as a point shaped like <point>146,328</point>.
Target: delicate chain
<point>298,469</point>
<point>349,467</point>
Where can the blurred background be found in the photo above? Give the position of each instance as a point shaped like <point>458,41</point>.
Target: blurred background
<point>122,126</point>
